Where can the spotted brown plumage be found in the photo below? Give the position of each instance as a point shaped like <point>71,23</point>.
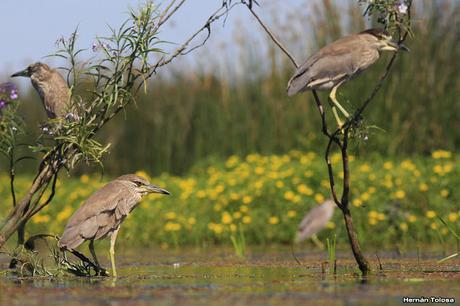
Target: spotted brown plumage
<point>103,212</point>
<point>339,62</point>
<point>51,87</point>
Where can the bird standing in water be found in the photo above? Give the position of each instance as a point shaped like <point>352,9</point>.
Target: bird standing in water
<point>103,212</point>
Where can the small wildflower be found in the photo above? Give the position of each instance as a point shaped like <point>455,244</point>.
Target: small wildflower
<point>291,213</point>
<point>273,220</point>
<point>402,7</point>
<point>430,214</point>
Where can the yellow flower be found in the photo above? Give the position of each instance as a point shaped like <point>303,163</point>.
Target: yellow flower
<point>444,193</point>
<point>448,167</point>
<point>172,226</point>
<point>237,215</point>
<point>434,226</point>
<point>373,214</point>
<point>380,217</point>
<point>201,194</point>
<point>84,179</point>
<point>232,161</point>
<point>291,213</point>
<point>41,219</point>
<point>247,219</point>
<point>400,194</point>
<point>403,226</point>
<point>319,198</point>
<point>289,195</point>
<point>304,189</point>
<point>233,227</point>
<point>308,173</point>
<point>438,154</point>
<point>325,183</point>
<point>438,169</point>
<point>452,217</point>
<point>430,214</point>
<point>372,221</point>
<point>273,220</point>
<point>423,187</point>
<point>226,218</point>
<point>247,199</point>
<point>388,165</point>
<point>330,225</point>
<point>170,215</point>
<point>191,221</point>
<point>244,208</point>
<point>357,202</point>
<point>259,170</point>
<point>279,184</point>
<point>365,167</point>
<point>64,214</point>
<point>411,218</point>
<point>365,196</point>
<point>234,196</point>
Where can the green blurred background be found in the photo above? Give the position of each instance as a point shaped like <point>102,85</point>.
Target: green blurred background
<point>233,100</point>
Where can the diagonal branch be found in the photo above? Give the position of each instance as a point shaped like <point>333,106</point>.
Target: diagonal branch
<point>270,33</point>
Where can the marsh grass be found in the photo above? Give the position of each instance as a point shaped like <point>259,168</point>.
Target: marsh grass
<point>236,103</point>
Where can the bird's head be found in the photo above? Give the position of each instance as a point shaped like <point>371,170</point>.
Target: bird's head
<point>36,69</point>
<point>141,185</point>
<point>382,40</point>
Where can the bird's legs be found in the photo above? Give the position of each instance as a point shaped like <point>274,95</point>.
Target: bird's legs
<point>333,99</point>
<point>113,238</point>
<point>100,271</point>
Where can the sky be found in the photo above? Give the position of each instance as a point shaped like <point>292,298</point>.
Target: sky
<point>31,27</point>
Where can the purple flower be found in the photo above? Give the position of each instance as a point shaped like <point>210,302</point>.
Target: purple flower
<point>402,7</point>
<point>2,103</point>
<point>13,94</point>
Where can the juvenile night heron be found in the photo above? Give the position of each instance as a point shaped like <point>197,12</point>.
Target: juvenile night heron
<point>51,87</point>
<point>314,221</point>
<point>103,212</point>
<point>339,62</point>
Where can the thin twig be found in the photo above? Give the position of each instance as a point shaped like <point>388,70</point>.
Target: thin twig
<point>272,36</point>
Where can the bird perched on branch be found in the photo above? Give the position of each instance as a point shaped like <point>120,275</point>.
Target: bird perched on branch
<point>339,62</point>
<point>103,212</point>
<point>314,221</point>
<point>51,86</point>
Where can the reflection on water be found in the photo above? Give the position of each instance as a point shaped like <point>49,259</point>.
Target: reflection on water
<point>216,277</point>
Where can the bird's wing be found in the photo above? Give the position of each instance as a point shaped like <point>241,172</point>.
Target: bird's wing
<point>102,211</point>
<point>331,63</point>
<point>313,222</point>
<point>57,98</point>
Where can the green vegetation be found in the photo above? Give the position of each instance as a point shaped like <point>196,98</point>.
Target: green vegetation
<point>396,202</point>
<point>241,107</point>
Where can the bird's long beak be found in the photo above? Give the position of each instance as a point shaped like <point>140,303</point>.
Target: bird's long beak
<point>24,73</point>
<point>397,46</point>
<point>155,189</point>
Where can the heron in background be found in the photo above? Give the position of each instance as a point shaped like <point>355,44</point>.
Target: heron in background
<point>51,87</point>
<point>103,212</point>
<point>314,221</point>
<point>339,62</point>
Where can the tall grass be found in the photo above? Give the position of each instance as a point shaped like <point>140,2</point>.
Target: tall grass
<point>239,106</point>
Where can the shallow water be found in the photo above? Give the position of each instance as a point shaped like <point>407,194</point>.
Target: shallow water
<point>217,277</point>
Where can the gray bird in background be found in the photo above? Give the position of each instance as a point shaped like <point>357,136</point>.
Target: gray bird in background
<point>340,62</point>
<point>103,212</point>
<point>52,88</point>
<point>314,221</point>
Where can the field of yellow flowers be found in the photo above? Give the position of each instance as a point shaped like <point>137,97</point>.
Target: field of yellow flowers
<point>394,202</point>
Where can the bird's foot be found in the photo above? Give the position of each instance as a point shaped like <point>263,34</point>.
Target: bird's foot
<point>101,272</point>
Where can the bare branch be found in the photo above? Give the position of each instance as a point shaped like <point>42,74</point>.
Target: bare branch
<point>270,33</point>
